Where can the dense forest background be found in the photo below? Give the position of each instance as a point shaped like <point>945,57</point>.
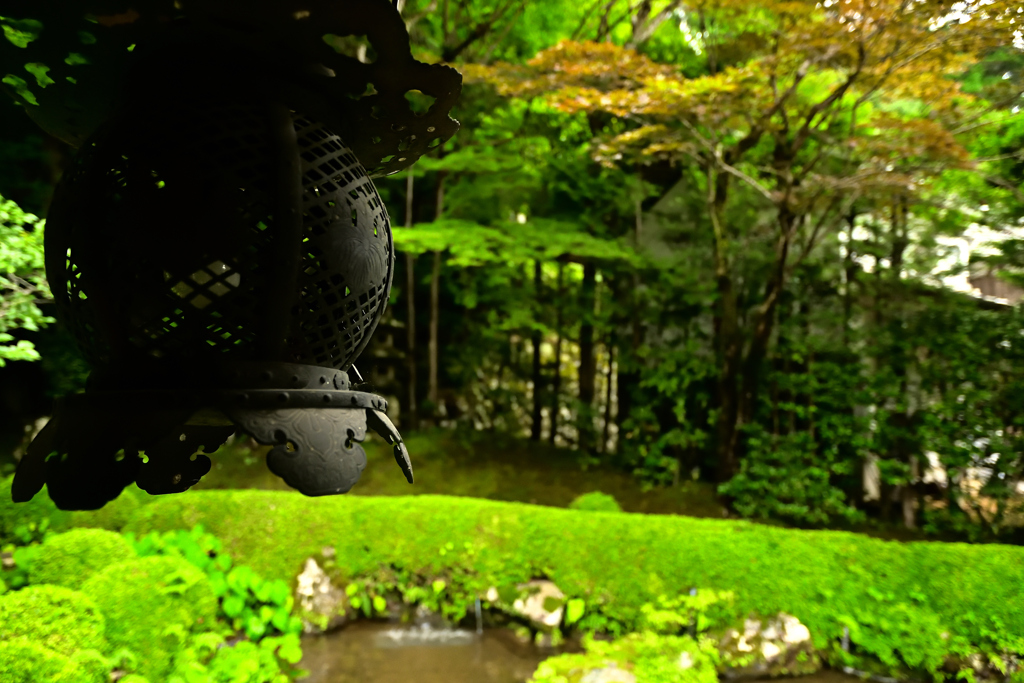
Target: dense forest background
<point>771,245</point>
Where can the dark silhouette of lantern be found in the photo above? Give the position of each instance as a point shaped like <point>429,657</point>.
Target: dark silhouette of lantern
<point>217,246</point>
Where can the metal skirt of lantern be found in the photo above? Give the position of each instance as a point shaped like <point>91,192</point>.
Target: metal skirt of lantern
<point>217,246</point>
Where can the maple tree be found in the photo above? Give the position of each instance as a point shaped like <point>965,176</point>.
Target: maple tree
<point>834,107</point>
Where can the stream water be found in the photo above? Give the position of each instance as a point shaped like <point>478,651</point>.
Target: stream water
<point>385,653</point>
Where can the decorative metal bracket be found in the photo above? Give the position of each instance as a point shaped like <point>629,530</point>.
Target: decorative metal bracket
<point>99,442</point>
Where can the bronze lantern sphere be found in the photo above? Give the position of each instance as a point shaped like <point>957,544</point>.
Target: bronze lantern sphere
<point>217,247</point>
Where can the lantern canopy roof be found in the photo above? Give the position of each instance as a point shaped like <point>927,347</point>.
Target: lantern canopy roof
<point>347,63</point>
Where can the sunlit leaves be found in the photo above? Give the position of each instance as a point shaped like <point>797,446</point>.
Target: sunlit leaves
<point>23,284</point>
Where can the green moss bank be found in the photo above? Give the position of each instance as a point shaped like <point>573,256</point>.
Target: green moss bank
<point>616,562</point>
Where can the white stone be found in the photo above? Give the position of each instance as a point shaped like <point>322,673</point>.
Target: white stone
<point>532,606</point>
<point>751,627</point>
<point>770,650</point>
<point>492,594</point>
<point>793,631</point>
<point>318,596</point>
<point>685,660</point>
<point>743,646</point>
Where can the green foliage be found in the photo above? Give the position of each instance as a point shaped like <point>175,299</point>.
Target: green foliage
<point>209,659</point>
<point>152,606</point>
<point>508,242</point>
<point>595,501</point>
<point>249,603</point>
<point>71,558</point>
<point>788,477</point>
<point>158,612</point>
<point>22,280</point>
<point>652,658</point>
<point>695,612</point>
<point>899,634</point>
<point>59,619</point>
<point>21,32</point>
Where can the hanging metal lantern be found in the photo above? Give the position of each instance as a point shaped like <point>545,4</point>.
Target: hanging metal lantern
<point>217,246</point>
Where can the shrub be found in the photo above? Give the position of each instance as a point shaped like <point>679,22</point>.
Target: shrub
<point>23,661</point>
<point>208,660</point>
<point>250,603</point>
<point>69,559</point>
<point>23,523</point>
<point>791,478</point>
<point>53,617</point>
<point>152,605</point>
<point>595,501</point>
<point>651,658</point>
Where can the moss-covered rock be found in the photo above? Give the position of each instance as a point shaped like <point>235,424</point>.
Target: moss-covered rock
<point>59,619</point>
<point>636,658</point>
<point>776,647</point>
<point>70,558</point>
<point>151,606</point>
<point>321,604</point>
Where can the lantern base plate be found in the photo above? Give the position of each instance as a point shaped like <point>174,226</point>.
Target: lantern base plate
<point>102,440</point>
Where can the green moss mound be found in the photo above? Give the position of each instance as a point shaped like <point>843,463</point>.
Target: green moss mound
<point>118,512</point>
<point>151,606</point>
<point>69,559</point>
<point>85,666</point>
<point>56,618</point>
<point>648,657</point>
<point>23,661</point>
<point>595,501</point>
<point>22,522</point>
<point>617,563</point>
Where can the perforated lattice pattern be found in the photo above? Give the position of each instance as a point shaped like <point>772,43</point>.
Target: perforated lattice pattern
<point>171,249</point>
<point>346,262</point>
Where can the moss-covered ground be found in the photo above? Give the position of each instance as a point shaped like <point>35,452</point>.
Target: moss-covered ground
<point>617,562</point>
<point>492,467</point>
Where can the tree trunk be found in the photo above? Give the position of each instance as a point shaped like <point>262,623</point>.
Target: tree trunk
<point>728,341</point>
<point>606,430</point>
<point>410,299</point>
<point>435,314</point>
<point>628,375</point>
<point>435,305</point>
<point>728,349</point>
<point>765,322</point>
<point>556,377</point>
<point>538,378</point>
<point>588,362</point>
